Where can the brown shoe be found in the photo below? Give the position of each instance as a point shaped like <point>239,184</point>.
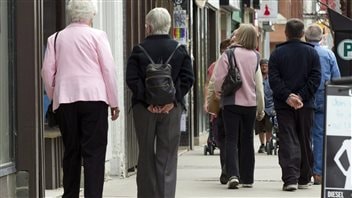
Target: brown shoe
<point>317,179</point>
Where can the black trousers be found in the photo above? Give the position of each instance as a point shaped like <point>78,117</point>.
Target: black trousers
<point>158,138</point>
<point>295,150</point>
<point>84,127</point>
<point>239,122</point>
<point>221,141</point>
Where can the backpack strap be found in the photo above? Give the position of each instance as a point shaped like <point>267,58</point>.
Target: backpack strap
<point>168,60</point>
<point>151,60</point>
<point>146,53</point>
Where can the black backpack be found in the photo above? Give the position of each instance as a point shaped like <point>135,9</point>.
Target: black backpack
<point>159,86</point>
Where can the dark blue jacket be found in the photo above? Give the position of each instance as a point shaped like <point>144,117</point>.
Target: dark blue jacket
<point>294,67</point>
<point>159,47</point>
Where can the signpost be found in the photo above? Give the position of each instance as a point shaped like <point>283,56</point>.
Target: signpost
<point>337,180</point>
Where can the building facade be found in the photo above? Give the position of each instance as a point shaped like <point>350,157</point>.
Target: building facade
<point>30,152</point>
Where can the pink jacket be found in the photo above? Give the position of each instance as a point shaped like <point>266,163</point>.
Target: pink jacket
<point>251,91</point>
<point>82,69</point>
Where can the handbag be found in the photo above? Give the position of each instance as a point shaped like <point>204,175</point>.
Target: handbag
<point>233,80</point>
<point>51,116</point>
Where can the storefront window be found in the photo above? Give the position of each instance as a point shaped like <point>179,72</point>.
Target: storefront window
<point>6,84</point>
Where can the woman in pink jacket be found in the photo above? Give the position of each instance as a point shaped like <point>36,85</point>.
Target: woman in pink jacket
<point>80,77</point>
<point>239,110</point>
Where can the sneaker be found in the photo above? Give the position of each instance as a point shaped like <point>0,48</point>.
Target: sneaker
<point>247,185</point>
<point>304,186</point>
<point>289,187</point>
<point>317,179</point>
<point>233,183</point>
<point>261,149</point>
<point>223,178</point>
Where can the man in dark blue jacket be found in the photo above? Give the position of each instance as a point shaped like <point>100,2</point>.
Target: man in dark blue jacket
<point>294,76</point>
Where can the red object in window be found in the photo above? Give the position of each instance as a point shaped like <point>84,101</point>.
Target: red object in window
<point>266,12</point>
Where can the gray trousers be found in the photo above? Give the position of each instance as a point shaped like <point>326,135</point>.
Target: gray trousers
<point>158,140</point>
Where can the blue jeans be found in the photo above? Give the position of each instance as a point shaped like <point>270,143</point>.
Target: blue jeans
<point>318,134</point>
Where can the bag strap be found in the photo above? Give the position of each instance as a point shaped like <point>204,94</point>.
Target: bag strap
<point>168,60</point>
<point>57,33</point>
<point>151,60</point>
<point>231,57</point>
<point>231,53</point>
<point>146,53</point>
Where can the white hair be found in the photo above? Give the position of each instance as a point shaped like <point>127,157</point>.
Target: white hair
<point>79,10</point>
<point>160,20</point>
<point>313,33</point>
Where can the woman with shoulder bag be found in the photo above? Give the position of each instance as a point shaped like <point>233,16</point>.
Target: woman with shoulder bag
<point>79,75</point>
<point>240,109</point>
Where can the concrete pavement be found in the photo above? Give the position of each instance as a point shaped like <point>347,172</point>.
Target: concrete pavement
<point>198,177</point>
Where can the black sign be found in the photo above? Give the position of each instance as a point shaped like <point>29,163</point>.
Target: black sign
<point>342,27</point>
<point>337,180</point>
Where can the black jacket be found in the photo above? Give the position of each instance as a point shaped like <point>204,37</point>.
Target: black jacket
<point>159,47</point>
<point>294,67</point>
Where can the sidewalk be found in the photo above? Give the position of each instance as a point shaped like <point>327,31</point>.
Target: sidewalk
<point>198,177</point>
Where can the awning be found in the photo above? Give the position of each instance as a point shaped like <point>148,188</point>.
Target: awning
<point>339,22</point>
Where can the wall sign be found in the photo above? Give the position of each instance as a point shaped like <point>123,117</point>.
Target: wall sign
<point>344,49</point>
<point>268,10</point>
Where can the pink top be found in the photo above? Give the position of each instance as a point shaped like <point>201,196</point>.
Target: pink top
<point>84,65</point>
<point>211,69</point>
<point>247,63</point>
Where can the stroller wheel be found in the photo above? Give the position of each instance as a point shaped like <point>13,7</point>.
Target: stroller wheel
<point>211,150</point>
<point>267,148</point>
<point>205,150</point>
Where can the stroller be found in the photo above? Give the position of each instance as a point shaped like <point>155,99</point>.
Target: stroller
<point>211,142</point>
<point>272,146</point>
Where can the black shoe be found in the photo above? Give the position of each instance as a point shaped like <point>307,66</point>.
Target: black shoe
<point>261,149</point>
<point>289,187</point>
<point>304,186</point>
<point>233,183</point>
<point>223,179</point>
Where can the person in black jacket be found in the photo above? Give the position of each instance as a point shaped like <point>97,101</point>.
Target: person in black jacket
<point>294,76</point>
<point>158,126</point>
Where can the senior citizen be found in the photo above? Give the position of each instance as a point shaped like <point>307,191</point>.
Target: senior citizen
<point>158,126</point>
<point>80,77</point>
<point>329,70</point>
<point>240,109</point>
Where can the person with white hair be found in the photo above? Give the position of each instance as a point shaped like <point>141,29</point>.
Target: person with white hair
<point>157,124</point>
<point>329,70</point>
<point>79,75</point>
